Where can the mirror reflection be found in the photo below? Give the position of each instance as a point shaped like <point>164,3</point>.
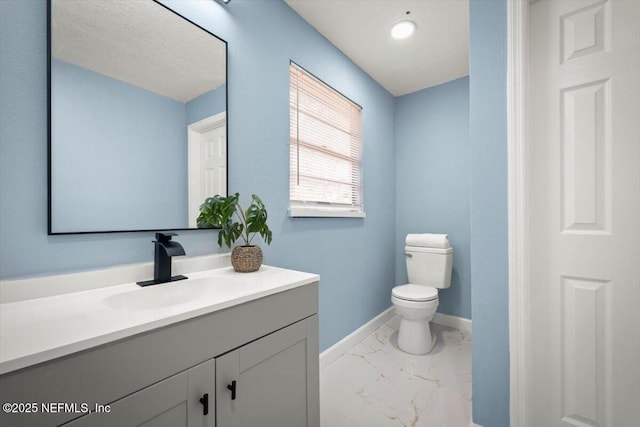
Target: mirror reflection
<point>138,117</point>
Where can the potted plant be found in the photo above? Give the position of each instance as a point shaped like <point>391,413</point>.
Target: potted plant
<point>218,211</point>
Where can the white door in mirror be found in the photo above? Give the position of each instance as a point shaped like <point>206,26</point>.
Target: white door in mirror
<point>207,162</point>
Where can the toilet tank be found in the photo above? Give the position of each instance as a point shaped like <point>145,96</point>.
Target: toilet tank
<point>429,266</point>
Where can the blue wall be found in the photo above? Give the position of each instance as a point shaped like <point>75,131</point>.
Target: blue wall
<point>432,180</point>
<point>489,240</point>
<point>95,120</point>
<point>351,255</point>
<point>207,104</point>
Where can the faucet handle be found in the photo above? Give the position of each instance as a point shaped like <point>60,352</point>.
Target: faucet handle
<point>165,237</point>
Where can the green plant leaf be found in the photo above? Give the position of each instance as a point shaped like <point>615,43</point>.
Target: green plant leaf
<point>229,233</point>
<point>256,216</point>
<point>210,212</point>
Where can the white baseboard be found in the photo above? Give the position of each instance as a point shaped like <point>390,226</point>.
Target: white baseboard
<point>474,425</point>
<point>345,344</point>
<point>452,321</point>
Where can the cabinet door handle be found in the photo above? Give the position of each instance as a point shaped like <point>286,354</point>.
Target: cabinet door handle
<point>205,404</point>
<point>232,387</point>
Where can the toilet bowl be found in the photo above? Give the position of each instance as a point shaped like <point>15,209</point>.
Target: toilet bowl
<point>414,334</point>
<point>428,269</point>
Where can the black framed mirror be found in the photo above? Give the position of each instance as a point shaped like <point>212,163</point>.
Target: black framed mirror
<point>137,117</point>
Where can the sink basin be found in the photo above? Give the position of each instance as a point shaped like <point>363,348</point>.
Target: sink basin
<point>169,294</point>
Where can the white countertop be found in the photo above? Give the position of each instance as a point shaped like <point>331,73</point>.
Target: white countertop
<point>41,329</point>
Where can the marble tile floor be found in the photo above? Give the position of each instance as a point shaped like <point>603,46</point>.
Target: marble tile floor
<point>376,385</point>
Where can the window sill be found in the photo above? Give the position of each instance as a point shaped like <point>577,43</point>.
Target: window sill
<point>324,212</point>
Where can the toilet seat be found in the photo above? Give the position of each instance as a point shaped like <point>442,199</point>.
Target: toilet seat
<point>415,293</point>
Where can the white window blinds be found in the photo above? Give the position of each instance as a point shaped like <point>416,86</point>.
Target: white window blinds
<point>325,147</point>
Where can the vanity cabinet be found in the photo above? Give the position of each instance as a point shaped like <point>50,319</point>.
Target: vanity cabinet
<point>269,382</point>
<point>174,402</point>
<point>268,346</point>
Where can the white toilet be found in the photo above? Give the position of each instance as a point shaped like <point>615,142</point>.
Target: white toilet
<point>429,269</point>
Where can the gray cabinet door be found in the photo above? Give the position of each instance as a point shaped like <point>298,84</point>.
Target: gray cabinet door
<point>276,380</point>
<point>174,402</point>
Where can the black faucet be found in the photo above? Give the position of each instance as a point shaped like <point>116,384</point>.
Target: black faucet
<point>165,248</point>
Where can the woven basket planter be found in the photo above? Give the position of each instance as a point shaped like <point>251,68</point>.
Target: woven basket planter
<point>246,259</point>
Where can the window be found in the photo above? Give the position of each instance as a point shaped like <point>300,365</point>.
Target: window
<point>325,149</point>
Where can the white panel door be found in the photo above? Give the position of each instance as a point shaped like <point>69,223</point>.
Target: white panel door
<point>213,162</point>
<point>584,131</point>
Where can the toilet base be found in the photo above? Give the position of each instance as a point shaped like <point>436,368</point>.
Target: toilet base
<point>414,336</point>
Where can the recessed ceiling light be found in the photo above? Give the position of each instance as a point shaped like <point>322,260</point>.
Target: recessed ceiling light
<point>403,29</point>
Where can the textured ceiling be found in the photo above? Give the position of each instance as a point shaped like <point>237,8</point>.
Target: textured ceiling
<point>140,43</point>
<point>437,52</point>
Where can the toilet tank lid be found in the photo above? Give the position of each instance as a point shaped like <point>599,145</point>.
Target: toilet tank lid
<point>415,292</point>
<point>428,250</point>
